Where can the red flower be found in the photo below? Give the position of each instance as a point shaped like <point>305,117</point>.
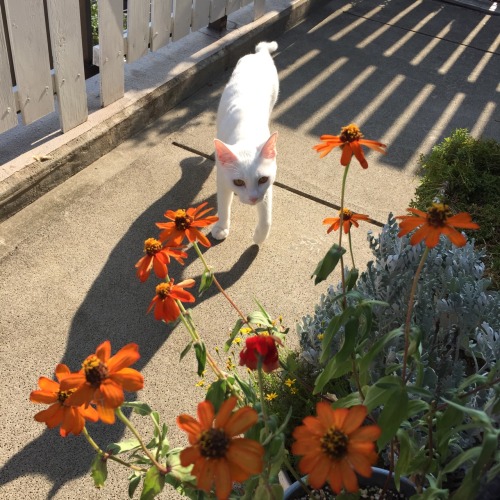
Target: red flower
<point>103,378</point>
<point>185,223</point>
<point>164,302</point>
<point>438,220</point>
<point>157,258</point>
<point>350,141</point>
<point>71,418</point>
<point>349,219</point>
<point>260,347</point>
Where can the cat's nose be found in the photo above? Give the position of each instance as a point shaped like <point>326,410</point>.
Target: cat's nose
<point>253,200</point>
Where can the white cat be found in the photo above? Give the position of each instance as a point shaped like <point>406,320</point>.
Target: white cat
<point>245,149</point>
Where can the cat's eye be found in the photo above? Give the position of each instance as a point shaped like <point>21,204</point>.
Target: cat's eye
<point>263,180</point>
<point>239,182</point>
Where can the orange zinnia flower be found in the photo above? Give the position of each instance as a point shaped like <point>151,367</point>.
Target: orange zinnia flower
<point>217,453</point>
<point>185,223</point>
<point>349,219</point>
<point>438,220</point>
<point>164,302</point>
<point>71,418</point>
<point>350,141</point>
<point>334,446</point>
<point>157,258</point>
<point>103,378</point>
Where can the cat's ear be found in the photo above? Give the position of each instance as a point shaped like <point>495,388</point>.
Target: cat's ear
<point>269,149</point>
<point>224,154</point>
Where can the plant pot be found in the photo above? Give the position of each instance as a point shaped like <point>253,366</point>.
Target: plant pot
<point>378,478</point>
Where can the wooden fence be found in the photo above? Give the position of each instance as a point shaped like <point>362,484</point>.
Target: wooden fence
<point>41,45</point>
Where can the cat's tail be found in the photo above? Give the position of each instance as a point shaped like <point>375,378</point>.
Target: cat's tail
<point>268,46</point>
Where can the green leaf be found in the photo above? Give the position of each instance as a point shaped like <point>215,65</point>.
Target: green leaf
<point>394,412</point>
<point>217,393</point>
<point>331,330</point>
<point>490,443</point>
<point>138,407</point>
<point>99,471</point>
<point>333,369</point>
<point>133,481</point>
<point>351,279</point>
<point>123,446</point>
<point>417,406</point>
<point>405,453</point>
<point>468,455</point>
<point>348,401</point>
<point>328,263</point>
<point>154,482</point>
<point>246,388</point>
<point>477,415</point>
<point>235,332</point>
<point>264,312</point>
<point>379,393</point>
<point>365,362</point>
<point>186,350</point>
<point>207,278</point>
<point>259,318</point>
<point>201,357</point>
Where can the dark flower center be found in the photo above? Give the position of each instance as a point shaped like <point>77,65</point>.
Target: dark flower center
<point>437,214</point>
<point>334,443</point>
<point>214,443</point>
<point>347,214</point>
<point>350,133</point>
<point>95,370</point>
<point>62,396</point>
<point>152,246</point>
<point>182,220</point>
<point>163,290</point>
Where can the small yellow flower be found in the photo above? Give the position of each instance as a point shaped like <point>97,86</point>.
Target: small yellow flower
<point>200,383</point>
<point>289,382</point>
<point>320,336</point>
<point>271,396</point>
<point>246,330</point>
<point>237,340</point>
<point>294,390</point>
<point>230,365</point>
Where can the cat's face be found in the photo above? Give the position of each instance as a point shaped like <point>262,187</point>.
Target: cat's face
<point>248,173</point>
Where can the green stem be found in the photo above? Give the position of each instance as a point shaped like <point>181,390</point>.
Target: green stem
<point>219,286</point>
<point>128,424</point>
<point>341,228</point>
<point>109,456</point>
<point>262,398</point>
<point>297,478</point>
<point>410,310</point>
<point>350,250</point>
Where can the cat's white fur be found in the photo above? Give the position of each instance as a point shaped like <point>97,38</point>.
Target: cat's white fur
<point>245,149</point>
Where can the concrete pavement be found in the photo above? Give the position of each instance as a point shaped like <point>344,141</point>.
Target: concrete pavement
<point>407,72</point>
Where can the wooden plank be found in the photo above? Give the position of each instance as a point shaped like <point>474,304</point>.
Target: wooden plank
<point>111,65</point>
<point>233,6</point>
<point>137,29</point>
<point>8,114</point>
<point>201,14</point>
<point>217,9</point>
<point>182,19</point>
<point>67,54</point>
<point>161,23</point>
<point>259,8</point>
<point>30,55</point>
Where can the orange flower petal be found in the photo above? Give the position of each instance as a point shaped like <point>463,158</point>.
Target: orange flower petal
<point>317,476</point>
<point>111,392</point>
<point>206,414</point>
<point>223,481</point>
<point>125,357</point>
<point>347,152</point>
<point>51,416</point>
<point>366,433</point>
<point>335,478</point>
<point>357,415</point>
<point>457,238</point>
<point>189,455</point>
<point>348,477</point>
<point>358,153</point>
<point>241,421</point>
<point>131,380</point>
<point>48,385</point>
<point>189,424</point>
<point>107,415</point>
<point>82,396</point>
<point>103,352</point>
<point>62,371</point>
<point>225,412</point>
<point>248,454</point>
<point>360,464</point>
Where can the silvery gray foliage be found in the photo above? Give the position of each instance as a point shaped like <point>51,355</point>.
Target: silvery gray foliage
<point>454,310</point>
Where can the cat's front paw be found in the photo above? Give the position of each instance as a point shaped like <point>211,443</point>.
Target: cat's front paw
<point>220,233</point>
<point>261,234</point>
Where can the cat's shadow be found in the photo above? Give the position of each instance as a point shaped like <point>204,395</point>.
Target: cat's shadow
<point>114,309</point>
